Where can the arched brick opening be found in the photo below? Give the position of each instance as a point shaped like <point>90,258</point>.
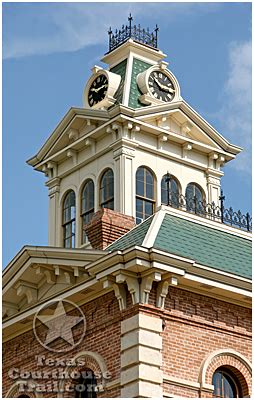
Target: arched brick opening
<point>14,392</point>
<point>238,364</point>
<point>90,361</point>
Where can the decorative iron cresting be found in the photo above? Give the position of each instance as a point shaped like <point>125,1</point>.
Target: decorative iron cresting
<point>209,210</point>
<point>134,32</point>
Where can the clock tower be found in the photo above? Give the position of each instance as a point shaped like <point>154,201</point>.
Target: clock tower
<point>140,246</point>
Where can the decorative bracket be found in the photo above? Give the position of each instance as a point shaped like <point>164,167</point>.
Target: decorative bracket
<point>73,134</point>
<point>146,285</point>
<point>74,155</point>
<point>119,289</point>
<point>28,289</point>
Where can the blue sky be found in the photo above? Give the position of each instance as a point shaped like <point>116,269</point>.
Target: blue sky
<point>48,51</point>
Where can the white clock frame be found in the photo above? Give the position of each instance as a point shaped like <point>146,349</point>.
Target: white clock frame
<point>113,84</point>
<point>147,97</point>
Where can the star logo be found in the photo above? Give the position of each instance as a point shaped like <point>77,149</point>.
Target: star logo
<point>57,326</point>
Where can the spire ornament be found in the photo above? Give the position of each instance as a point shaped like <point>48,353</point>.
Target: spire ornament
<point>134,32</point>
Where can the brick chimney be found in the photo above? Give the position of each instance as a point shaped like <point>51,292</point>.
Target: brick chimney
<point>106,226</point>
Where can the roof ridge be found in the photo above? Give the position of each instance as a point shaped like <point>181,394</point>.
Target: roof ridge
<point>132,229</point>
<point>153,229</point>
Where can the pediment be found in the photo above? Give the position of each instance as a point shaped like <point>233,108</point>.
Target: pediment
<point>39,273</point>
<point>180,120</point>
<point>77,123</point>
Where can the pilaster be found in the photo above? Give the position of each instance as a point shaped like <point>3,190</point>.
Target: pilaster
<point>125,185</point>
<point>141,357</point>
<point>53,216</point>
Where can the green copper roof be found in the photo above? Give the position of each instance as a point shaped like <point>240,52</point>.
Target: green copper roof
<point>206,245</point>
<point>133,238</point>
<point>120,69</point>
<point>138,66</point>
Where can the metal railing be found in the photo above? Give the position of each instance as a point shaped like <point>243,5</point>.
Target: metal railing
<point>134,32</point>
<point>209,210</point>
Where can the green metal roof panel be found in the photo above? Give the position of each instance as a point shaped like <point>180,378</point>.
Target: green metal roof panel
<point>133,238</point>
<point>205,245</point>
<point>138,66</point>
<point>120,69</point>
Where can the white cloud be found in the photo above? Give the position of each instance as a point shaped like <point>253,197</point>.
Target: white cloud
<point>60,27</point>
<point>235,114</point>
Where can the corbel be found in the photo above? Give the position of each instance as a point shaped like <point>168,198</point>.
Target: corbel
<point>9,308</point>
<point>163,122</point>
<point>186,128</point>
<point>211,158</point>
<point>221,160</point>
<point>162,138</point>
<point>186,147</point>
<point>49,275</point>
<point>27,289</point>
<point>90,142</point>
<point>146,285</point>
<point>110,131</point>
<point>63,276</point>
<point>47,172</point>
<point>117,128</point>
<point>134,130</point>
<point>132,284</point>
<point>74,155</point>
<point>162,289</point>
<point>119,290</point>
<point>51,165</point>
<point>73,134</point>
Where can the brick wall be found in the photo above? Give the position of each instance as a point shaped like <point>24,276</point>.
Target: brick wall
<point>107,226</point>
<point>194,326</point>
<point>102,336</point>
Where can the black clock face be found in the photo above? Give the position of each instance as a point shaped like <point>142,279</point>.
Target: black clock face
<point>161,86</point>
<point>98,90</point>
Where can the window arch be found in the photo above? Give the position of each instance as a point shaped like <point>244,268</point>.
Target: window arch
<point>169,190</point>
<point>69,215</point>
<point>145,197</point>
<point>87,206</point>
<point>107,189</point>
<point>194,198</point>
<point>225,384</point>
<point>85,386</point>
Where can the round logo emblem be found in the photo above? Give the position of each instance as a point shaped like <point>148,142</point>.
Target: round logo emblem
<point>59,325</point>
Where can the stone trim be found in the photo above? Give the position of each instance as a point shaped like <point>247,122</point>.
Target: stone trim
<point>141,357</point>
<point>235,361</point>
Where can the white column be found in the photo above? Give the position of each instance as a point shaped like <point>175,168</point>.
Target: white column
<point>141,357</point>
<point>53,214</point>
<point>123,157</point>
<point>213,189</point>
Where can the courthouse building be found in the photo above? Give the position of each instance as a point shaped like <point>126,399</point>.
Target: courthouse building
<point>140,240</point>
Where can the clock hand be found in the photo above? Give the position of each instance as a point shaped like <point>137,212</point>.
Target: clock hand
<point>163,87</point>
<point>167,89</point>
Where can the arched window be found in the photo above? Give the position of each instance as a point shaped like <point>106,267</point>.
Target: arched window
<point>145,202</point>
<point>69,214</point>
<point>225,384</point>
<point>107,190</point>
<point>85,386</point>
<point>194,199</point>
<point>169,191</point>
<point>87,206</point>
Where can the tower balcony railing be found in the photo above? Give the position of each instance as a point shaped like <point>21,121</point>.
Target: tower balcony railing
<point>210,210</point>
<point>134,32</point>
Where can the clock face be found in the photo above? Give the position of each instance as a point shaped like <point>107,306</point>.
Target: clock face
<point>161,86</point>
<point>98,90</point>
